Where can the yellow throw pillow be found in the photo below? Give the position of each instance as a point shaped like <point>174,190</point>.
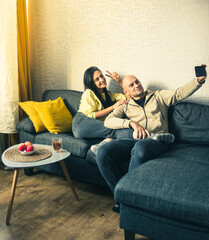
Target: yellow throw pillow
<point>29,108</point>
<point>55,116</point>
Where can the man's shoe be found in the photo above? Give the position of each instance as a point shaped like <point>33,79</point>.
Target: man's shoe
<point>116,208</point>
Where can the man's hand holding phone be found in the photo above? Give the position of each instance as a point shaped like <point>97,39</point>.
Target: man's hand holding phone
<point>201,73</point>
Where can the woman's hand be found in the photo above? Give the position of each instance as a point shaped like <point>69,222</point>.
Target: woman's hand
<point>118,103</point>
<point>115,76</point>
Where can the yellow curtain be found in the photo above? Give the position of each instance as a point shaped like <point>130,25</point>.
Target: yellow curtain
<point>24,78</point>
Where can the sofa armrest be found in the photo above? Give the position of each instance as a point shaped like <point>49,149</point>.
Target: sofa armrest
<point>26,125</point>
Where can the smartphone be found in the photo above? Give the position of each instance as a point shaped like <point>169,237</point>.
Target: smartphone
<point>200,71</point>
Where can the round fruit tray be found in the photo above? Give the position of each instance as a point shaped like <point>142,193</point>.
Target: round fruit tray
<point>38,155</point>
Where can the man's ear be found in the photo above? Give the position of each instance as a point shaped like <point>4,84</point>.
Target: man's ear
<point>125,91</point>
<point>127,94</point>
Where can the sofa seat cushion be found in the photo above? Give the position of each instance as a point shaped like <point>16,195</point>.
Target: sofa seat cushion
<point>189,152</point>
<point>171,188</point>
<point>76,146</point>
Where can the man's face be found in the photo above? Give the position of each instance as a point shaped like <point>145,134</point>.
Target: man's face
<point>133,87</point>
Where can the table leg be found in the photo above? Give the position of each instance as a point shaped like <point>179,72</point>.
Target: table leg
<point>68,179</point>
<point>14,183</point>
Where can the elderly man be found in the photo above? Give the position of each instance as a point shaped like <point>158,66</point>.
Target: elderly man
<point>146,112</point>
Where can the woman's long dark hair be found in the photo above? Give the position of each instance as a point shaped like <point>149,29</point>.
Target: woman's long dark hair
<point>89,84</point>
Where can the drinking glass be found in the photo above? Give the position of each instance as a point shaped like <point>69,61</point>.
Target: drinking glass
<point>57,144</point>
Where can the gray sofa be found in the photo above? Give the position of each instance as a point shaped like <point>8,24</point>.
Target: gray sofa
<point>165,198</point>
<point>168,198</point>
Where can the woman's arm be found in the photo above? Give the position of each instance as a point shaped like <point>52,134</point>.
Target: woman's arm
<point>115,76</point>
<point>92,107</point>
<point>106,111</point>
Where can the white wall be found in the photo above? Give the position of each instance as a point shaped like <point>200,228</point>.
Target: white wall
<point>159,41</point>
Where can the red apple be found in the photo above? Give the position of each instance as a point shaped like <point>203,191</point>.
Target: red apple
<point>22,146</point>
<point>29,148</point>
<point>28,143</point>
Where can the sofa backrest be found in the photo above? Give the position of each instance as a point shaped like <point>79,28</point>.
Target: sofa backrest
<point>189,122</point>
<point>70,97</point>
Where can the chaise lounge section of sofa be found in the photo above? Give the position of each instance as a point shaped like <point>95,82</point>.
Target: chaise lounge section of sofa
<point>167,198</point>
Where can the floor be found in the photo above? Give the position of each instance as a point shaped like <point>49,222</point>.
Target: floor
<point>44,208</point>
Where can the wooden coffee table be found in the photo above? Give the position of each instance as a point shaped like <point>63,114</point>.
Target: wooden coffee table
<point>17,165</point>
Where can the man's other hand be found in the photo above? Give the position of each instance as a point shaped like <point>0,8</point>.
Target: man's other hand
<point>139,131</point>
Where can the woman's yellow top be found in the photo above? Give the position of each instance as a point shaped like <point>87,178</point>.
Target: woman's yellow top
<point>90,103</point>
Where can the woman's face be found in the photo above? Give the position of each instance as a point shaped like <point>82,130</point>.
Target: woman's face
<point>99,80</point>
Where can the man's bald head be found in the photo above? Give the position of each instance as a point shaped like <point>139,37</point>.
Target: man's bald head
<point>133,87</point>
<point>126,78</point>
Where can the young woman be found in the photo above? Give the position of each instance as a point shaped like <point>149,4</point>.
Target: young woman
<point>96,103</point>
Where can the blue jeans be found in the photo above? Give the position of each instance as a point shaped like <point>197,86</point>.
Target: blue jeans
<point>114,155</point>
<point>86,127</point>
